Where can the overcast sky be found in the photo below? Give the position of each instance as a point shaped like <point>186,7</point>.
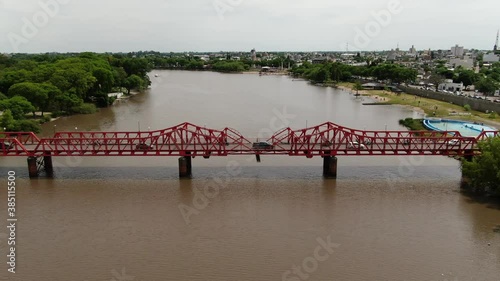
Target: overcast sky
<point>240,25</point>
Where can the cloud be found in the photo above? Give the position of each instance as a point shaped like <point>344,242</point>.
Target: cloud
<point>175,25</point>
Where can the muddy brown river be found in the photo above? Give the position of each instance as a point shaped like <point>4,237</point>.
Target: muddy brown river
<point>131,218</point>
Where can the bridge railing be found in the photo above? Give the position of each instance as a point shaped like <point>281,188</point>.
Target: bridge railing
<point>13,147</point>
<point>487,134</point>
<point>23,137</point>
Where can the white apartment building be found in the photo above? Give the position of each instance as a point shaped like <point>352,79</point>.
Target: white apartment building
<point>457,51</point>
<point>448,85</point>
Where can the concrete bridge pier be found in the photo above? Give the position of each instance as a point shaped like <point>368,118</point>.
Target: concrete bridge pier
<point>330,167</point>
<point>38,164</point>
<point>185,168</point>
<point>47,164</point>
<point>32,167</point>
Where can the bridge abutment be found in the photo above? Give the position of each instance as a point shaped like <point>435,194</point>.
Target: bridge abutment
<point>330,167</point>
<point>185,167</point>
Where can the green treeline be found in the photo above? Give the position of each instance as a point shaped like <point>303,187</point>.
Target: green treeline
<point>483,172</point>
<point>63,84</point>
<point>221,64</point>
<point>230,66</point>
<point>338,72</point>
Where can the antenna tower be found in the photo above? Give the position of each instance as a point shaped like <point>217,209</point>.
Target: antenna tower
<point>496,42</point>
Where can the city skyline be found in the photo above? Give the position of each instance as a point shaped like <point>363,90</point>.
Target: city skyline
<point>238,25</point>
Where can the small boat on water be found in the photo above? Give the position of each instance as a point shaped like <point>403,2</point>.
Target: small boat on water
<point>156,75</point>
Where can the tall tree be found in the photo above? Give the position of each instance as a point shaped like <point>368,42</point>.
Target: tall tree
<point>483,172</point>
<point>467,77</point>
<point>7,121</point>
<point>436,79</point>
<point>10,77</point>
<point>33,92</point>
<point>19,106</point>
<point>133,82</point>
<point>357,87</point>
<point>487,86</point>
<point>104,80</point>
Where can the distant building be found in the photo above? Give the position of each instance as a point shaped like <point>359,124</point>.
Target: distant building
<point>254,54</point>
<point>347,56</point>
<point>319,60</point>
<point>413,51</point>
<point>392,55</point>
<point>373,86</point>
<point>491,58</point>
<point>467,62</point>
<point>457,51</point>
<point>448,85</point>
<point>426,55</point>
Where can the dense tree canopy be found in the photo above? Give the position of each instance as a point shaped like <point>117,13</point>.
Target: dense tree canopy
<point>230,66</point>
<point>63,83</point>
<point>487,85</point>
<point>484,171</point>
<point>133,82</point>
<point>488,79</point>
<point>18,106</point>
<point>35,93</point>
<point>467,77</point>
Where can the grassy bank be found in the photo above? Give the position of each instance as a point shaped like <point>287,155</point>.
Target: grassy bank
<point>431,107</point>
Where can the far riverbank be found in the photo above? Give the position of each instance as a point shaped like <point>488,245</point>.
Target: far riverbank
<point>429,107</point>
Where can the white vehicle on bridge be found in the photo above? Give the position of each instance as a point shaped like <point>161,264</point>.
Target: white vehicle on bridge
<point>356,145</point>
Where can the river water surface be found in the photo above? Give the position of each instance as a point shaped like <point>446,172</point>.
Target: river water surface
<point>125,218</point>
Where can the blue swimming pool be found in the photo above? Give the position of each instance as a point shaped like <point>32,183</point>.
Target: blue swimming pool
<point>466,129</point>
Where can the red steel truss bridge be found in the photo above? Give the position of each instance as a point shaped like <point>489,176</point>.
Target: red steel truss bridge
<point>187,141</point>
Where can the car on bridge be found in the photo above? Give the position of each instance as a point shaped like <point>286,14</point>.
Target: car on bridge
<point>262,145</point>
<point>143,146</point>
<point>405,141</point>
<point>326,143</point>
<point>6,145</point>
<point>453,142</point>
<point>356,145</point>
